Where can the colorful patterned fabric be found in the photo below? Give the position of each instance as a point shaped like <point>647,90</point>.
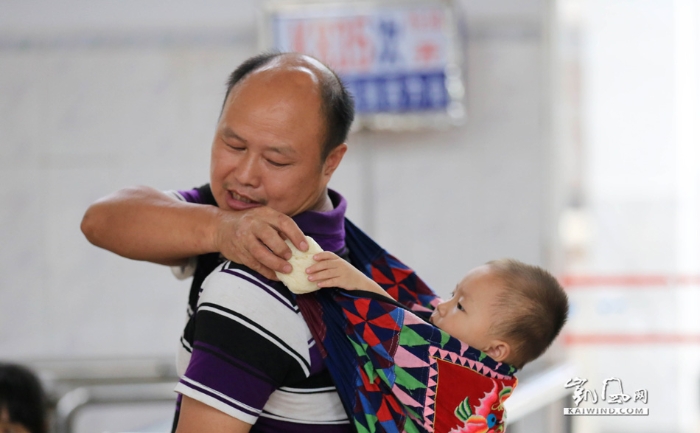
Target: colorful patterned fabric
<point>396,372</point>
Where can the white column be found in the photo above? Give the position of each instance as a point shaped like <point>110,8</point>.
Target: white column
<point>687,144</point>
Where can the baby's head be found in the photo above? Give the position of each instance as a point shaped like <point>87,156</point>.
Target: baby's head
<point>510,310</point>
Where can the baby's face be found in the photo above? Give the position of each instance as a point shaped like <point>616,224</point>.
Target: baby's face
<point>471,311</point>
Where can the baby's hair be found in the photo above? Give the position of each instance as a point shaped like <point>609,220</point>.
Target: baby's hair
<point>22,396</point>
<point>535,308</point>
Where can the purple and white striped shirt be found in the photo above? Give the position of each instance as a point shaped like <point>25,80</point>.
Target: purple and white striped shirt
<point>248,352</point>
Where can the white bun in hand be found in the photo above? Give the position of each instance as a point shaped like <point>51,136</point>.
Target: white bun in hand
<point>298,280</point>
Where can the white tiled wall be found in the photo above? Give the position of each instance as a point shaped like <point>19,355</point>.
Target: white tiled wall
<point>118,99</point>
<point>77,123</point>
<point>84,117</point>
<point>641,159</point>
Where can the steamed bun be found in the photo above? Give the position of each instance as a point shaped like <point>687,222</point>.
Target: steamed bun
<point>298,280</point>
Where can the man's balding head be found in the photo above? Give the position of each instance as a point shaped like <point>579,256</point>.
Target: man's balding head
<point>280,135</point>
<point>337,106</point>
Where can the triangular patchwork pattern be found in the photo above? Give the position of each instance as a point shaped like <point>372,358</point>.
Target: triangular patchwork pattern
<point>392,352</point>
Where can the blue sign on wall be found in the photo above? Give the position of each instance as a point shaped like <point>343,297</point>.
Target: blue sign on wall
<point>392,59</point>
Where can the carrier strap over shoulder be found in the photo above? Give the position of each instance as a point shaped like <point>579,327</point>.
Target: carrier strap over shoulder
<point>396,372</point>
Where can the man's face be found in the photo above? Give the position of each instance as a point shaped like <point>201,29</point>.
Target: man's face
<point>471,311</point>
<point>267,147</point>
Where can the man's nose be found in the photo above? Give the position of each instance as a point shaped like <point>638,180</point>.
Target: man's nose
<point>247,172</point>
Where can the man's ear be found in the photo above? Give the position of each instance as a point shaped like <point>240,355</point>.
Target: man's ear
<point>333,159</point>
<point>499,350</point>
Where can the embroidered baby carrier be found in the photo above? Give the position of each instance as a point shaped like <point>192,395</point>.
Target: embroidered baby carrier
<point>395,372</point>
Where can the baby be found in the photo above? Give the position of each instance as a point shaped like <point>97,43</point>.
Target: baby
<point>505,308</point>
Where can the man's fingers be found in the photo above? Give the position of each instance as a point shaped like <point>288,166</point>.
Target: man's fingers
<point>269,260</point>
<point>252,263</point>
<point>272,239</point>
<point>267,273</point>
<point>289,228</point>
<point>252,239</point>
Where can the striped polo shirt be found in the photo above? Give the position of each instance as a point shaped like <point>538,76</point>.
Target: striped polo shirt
<point>247,351</point>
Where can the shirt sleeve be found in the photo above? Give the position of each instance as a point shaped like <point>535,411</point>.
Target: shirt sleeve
<point>185,270</point>
<point>199,195</point>
<point>248,341</point>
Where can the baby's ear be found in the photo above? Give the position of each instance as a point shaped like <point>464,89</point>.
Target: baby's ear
<point>499,350</point>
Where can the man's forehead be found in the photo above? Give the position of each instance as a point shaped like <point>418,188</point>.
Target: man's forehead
<point>282,94</point>
<point>300,71</point>
<point>295,62</point>
<point>286,78</point>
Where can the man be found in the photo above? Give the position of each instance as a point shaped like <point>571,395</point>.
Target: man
<point>248,361</point>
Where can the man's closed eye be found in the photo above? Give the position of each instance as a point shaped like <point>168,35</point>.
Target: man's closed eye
<point>278,164</point>
<point>236,148</point>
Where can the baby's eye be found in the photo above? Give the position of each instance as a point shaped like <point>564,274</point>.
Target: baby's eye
<point>459,307</point>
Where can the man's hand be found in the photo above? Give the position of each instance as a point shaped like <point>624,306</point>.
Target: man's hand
<point>142,223</point>
<point>332,271</point>
<point>255,238</point>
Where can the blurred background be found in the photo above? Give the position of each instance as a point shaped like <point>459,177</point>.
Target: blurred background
<point>565,134</point>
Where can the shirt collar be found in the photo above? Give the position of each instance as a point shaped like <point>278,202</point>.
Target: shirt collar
<point>327,228</point>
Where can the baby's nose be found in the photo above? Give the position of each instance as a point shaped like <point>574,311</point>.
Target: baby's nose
<point>441,308</point>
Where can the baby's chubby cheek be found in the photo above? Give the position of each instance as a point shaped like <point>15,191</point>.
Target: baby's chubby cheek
<point>432,318</point>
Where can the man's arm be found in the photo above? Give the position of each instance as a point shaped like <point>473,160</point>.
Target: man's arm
<point>196,417</point>
<point>142,223</point>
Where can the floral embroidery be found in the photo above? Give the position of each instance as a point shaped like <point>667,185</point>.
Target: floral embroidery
<point>482,419</point>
